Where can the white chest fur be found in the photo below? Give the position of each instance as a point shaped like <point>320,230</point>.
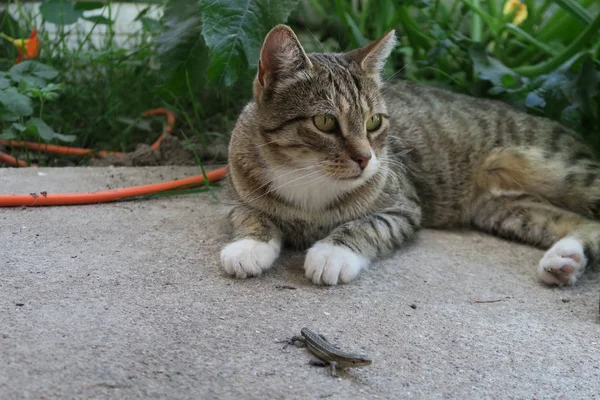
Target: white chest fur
<point>310,188</point>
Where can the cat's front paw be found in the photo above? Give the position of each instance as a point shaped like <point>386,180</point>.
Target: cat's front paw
<point>329,264</point>
<point>248,257</point>
<point>563,263</point>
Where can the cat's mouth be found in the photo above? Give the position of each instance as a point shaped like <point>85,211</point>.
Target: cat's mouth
<point>353,173</point>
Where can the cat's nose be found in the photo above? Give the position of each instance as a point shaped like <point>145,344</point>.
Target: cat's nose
<point>362,161</point>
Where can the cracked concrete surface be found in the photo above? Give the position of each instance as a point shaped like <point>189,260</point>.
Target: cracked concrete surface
<point>128,300</point>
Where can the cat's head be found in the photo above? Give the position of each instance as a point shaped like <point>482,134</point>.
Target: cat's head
<point>322,112</point>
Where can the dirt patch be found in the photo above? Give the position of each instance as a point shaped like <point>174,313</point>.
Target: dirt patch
<point>171,152</point>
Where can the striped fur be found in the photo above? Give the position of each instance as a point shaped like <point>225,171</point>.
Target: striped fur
<point>439,160</point>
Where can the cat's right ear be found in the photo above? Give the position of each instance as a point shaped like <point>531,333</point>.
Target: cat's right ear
<point>281,56</point>
<point>373,56</point>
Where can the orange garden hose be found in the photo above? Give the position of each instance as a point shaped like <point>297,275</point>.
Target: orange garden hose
<point>104,196</point>
<point>10,160</point>
<point>59,199</point>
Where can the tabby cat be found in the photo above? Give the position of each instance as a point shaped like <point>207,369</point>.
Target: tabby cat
<point>330,158</point>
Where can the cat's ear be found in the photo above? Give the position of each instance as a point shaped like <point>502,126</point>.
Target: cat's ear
<point>281,56</point>
<point>373,56</point>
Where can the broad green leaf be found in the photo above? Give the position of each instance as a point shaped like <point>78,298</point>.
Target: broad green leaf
<point>181,49</point>
<point>234,31</point>
<point>571,116</point>
<point>4,83</point>
<point>60,12</point>
<point>99,19</point>
<point>31,80</point>
<point>9,134</point>
<point>19,127</point>
<point>88,5</point>
<point>34,68</point>
<point>508,80</point>
<point>7,116</point>
<point>534,100</point>
<point>490,69</point>
<point>15,103</point>
<point>29,88</point>
<point>47,133</point>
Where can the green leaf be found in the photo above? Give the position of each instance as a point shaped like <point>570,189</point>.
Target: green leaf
<point>88,5</point>
<point>180,46</point>
<point>64,138</point>
<point>4,83</point>
<point>571,116</point>
<point>586,87</point>
<point>9,134</point>
<point>19,127</point>
<point>99,19</point>
<point>60,12</point>
<point>47,133</point>
<point>534,100</point>
<point>34,68</point>
<point>142,14</point>
<point>490,69</point>
<point>7,116</point>
<point>575,9</point>
<point>234,31</point>
<point>15,103</point>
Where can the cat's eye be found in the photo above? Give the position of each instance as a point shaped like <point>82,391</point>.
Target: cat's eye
<point>374,122</point>
<point>325,123</point>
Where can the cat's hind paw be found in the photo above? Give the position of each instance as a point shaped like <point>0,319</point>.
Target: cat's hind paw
<point>329,264</point>
<point>563,263</point>
<point>248,257</point>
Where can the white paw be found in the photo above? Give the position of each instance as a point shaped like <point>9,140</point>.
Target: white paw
<point>329,264</point>
<point>564,263</point>
<point>248,257</point>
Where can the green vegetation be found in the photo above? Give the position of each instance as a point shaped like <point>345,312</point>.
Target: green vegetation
<point>199,60</point>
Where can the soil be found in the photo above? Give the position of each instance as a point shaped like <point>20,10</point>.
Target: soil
<point>170,152</point>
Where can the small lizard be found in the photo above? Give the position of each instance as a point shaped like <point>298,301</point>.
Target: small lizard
<point>328,354</point>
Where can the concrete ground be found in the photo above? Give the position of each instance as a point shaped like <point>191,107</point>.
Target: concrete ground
<point>128,301</point>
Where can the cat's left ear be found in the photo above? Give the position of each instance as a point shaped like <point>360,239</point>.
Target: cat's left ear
<point>373,56</point>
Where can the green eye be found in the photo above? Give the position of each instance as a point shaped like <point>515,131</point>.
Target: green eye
<point>374,122</point>
<point>325,122</point>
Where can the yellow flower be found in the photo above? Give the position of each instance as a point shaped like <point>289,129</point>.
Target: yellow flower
<point>521,10</point>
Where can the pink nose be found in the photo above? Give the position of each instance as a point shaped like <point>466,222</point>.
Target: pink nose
<point>363,161</point>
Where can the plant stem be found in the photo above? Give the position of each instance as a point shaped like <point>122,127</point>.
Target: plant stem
<point>492,8</point>
<point>435,9</point>
<point>476,28</point>
<point>558,60</point>
<point>41,106</point>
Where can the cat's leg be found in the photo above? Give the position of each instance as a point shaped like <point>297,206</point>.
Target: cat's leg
<point>573,241</point>
<point>349,248</point>
<point>256,245</point>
